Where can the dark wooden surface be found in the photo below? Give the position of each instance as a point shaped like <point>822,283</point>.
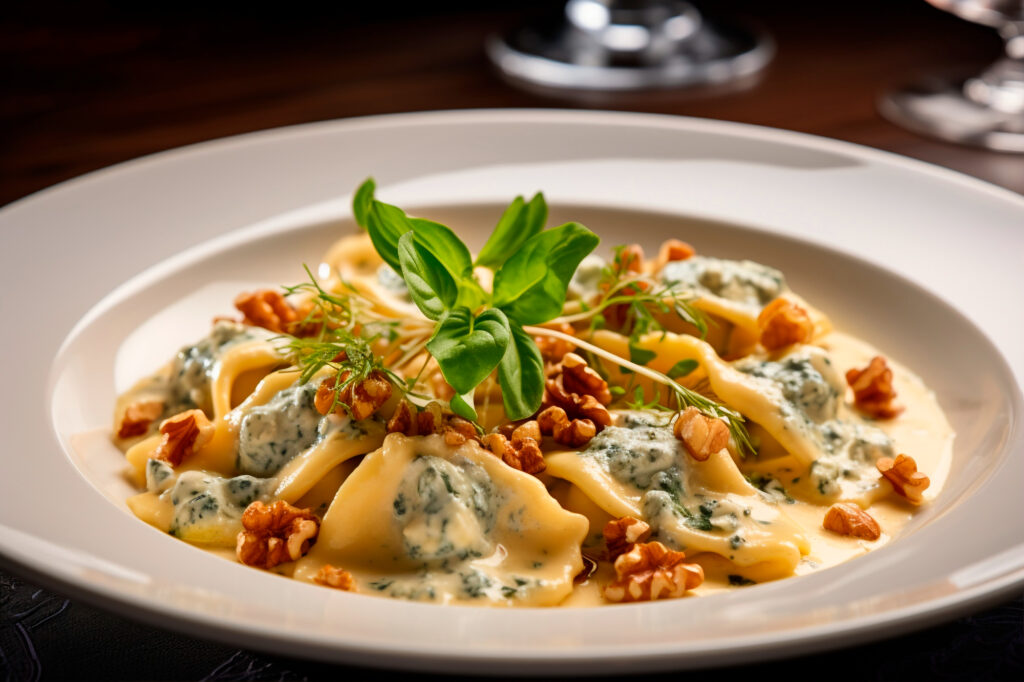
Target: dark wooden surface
<point>85,85</point>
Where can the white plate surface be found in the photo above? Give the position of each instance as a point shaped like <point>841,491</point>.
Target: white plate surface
<point>87,264</point>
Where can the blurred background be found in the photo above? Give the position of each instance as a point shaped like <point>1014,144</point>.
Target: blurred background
<point>91,83</point>
<point>84,85</point>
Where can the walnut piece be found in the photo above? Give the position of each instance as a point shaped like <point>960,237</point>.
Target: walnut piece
<point>138,417</point>
<point>578,377</point>
<point>522,452</point>
<point>458,430</point>
<point>338,578</point>
<point>784,323</point>
<point>183,434</point>
<point>275,534</point>
<point>629,259</point>
<point>849,519</point>
<point>267,308</point>
<point>430,420</point>
<point>906,480</point>
<point>552,350</point>
<point>701,435</point>
<point>574,433</point>
<point>673,250</point>
<point>873,392</point>
<point>652,571</point>
<point>621,534</point>
<point>362,400</point>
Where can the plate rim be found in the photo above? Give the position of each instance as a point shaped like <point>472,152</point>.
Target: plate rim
<point>952,604</point>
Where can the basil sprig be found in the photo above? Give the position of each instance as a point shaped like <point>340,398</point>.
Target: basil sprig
<point>478,331</point>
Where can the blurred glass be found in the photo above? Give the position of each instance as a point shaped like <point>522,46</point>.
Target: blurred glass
<point>629,45</point>
<point>986,109</point>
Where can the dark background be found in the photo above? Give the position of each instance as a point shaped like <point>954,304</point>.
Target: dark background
<point>85,85</point>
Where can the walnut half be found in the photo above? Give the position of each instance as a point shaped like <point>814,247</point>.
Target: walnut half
<point>183,435</point>
<point>784,323</point>
<point>873,392</point>
<point>275,534</point>
<point>138,416</point>
<point>652,571</point>
<point>906,480</point>
<point>701,435</point>
<point>849,519</point>
<point>621,534</point>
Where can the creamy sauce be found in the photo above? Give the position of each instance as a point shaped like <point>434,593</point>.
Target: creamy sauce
<point>414,518</point>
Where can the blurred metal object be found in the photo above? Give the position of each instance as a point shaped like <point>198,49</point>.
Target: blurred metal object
<point>986,110</point>
<point>629,45</point>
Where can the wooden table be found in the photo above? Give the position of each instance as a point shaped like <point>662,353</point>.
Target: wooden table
<point>85,87</point>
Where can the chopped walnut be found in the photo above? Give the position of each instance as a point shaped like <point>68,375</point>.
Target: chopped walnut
<point>138,417</point>
<point>652,571</point>
<point>578,377</point>
<point>523,453</point>
<point>362,400</point>
<point>629,259</point>
<point>183,434</point>
<point>275,534</point>
<point>458,430</point>
<point>849,519</point>
<point>338,578</point>
<point>552,350</point>
<point>673,250</point>
<point>906,480</point>
<point>430,419</point>
<point>574,433</point>
<point>701,435</point>
<point>267,308</point>
<point>403,420</point>
<point>873,392</point>
<point>784,323</point>
<point>621,534</point>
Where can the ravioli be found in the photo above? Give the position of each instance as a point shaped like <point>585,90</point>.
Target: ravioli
<point>419,519</point>
<point>638,468</point>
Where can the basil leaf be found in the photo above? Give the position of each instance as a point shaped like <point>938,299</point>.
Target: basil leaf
<point>519,222</point>
<point>362,200</point>
<point>386,224</point>
<point>640,356</point>
<point>682,368</point>
<point>530,287</point>
<point>432,289</point>
<point>445,246</point>
<point>521,375</point>
<point>467,349</point>
<point>463,406</point>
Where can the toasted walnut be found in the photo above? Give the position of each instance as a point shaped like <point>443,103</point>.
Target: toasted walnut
<point>621,534</point>
<point>430,419</point>
<point>849,519</point>
<point>275,534</point>
<point>673,250</point>
<point>523,454</point>
<point>338,578</point>
<point>574,433</point>
<point>629,259</point>
<point>906,480</point>
<point>527,430</point>
<point>652,571</point>
<point>873,392</point>
<point>183,434</point>
<point>701,435</point>
<point>267,308</point>
<point>552,350</point>
<point>138,417</point>
<point>784,323</point>
<point>458,430</point>
<point>362,400</point>
<point>578,377</point>
<point>403,420</point>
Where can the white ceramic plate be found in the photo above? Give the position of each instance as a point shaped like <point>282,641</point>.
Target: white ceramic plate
<point>86,267</point>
